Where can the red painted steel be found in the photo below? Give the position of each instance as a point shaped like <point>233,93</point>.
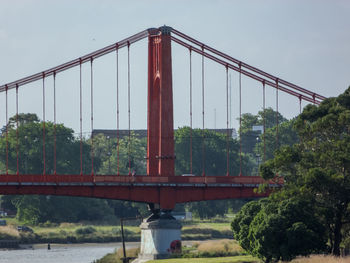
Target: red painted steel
<point>160,130</point>
<point>164,190</point>
<point>160,185</point>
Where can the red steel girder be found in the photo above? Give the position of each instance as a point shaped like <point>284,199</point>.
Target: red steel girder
<point>160,130</point>
<point>164,190</point>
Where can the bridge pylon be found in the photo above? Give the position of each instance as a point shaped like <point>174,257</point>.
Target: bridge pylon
<point>160,127</point>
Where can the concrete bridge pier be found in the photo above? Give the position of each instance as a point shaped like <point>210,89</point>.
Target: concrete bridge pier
<point>160,237</point>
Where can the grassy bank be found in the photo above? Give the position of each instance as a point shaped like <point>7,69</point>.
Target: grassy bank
<point>236,259</point>
<point>68,233</point>
<point>206,251</point>
<point>87,232</point>
<point>321,259</point>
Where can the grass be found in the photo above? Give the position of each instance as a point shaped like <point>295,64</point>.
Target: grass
<point>219,246</point>
<point>207,251</point>
<point>236,259</point>
<point>117,256</point>
<point>321,259</point>
<point>9,232</point>
<point>68,232</point>
<point>76,232</point>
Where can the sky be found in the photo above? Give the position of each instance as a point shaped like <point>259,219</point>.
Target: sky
<point>304,42</point>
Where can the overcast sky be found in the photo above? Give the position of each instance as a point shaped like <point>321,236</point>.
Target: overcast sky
<point>304,42</point>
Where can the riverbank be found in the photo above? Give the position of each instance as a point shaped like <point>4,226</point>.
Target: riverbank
<point>94,233</point>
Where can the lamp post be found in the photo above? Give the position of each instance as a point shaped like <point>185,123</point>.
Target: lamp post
<point>109,154</point>
<point>26,156</point>
<point>258,155</point>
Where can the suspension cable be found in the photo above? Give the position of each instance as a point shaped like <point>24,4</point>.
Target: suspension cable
<point>81,117</point>
<point>44,154</point>
<point>17,140</point>
<point>277,114</point>
<point>7,140</point>
<point>264,116</point>
<point>230,96</point>
<point>92,115</point>
<point>240,119</point>
<point>300,99</point>
<point>203,132</point>
<point>227,130</point>
<point>117,75</point>
<point>129,131</point>
<point>191,124</point>
<point>54,125</point>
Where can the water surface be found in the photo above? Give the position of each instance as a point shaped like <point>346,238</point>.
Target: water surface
<point>61,253</point>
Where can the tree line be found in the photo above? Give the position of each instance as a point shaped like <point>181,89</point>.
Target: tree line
<point>311,213</point>
<point>29,139</point>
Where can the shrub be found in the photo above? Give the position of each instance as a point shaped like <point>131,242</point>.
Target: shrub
<point>85,230</point>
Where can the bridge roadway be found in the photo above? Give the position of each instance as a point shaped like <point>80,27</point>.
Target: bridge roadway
<point>163,190</point>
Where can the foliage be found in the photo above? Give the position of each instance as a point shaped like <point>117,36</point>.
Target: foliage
<point>133,151</point>
<point>30,148</point>
<point>36,209</point>
<point>249,137</point>
<point>212,158</point>
<point>85,230</point>
<point>279,229</point>
<point>287,136</point>
<point>320,164</point>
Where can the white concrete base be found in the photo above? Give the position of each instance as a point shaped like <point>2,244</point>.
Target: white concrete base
<point>156,238</point>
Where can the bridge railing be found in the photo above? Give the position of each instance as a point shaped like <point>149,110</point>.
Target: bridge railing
<point>136,179</point>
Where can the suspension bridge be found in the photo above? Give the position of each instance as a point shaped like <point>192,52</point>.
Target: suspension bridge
<point>160,185</point>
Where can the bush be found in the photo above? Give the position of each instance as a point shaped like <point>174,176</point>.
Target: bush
<point>85,230</point>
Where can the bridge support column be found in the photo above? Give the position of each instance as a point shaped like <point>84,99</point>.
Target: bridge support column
<point>160,127</point>
<point>159,239</point>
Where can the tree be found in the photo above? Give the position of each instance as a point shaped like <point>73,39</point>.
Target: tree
<point>320,163</point>
<point>208,209</point>
<point>285,229</point>
<point>136,157</point>
<point>287,135</point>
<point>241,222</point>
<point>249,137</point>
<point>279,229</point>
<point>30,148</point>
<point>213,157</point>
<point>36,209</point>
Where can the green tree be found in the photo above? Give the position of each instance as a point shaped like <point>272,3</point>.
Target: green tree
<point>320,163</point>
<point>287,136</point>
<point>241,223</point>
<point>109,155</point>
<point>279,229</point>
<point>207,209</point>
<point>214,156</point>
<point>30,148</point>
<point>285,229</point>
<point>36,209</point>
<point>249,137</point>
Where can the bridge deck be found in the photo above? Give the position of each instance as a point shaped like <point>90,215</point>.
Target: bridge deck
<point>166,191</point>
<point>136,180</point>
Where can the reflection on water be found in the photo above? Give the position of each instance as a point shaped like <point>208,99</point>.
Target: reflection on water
<point>60,253</point>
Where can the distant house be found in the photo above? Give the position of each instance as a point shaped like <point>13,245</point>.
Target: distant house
<point>3,213</point>
<point>186,216</point>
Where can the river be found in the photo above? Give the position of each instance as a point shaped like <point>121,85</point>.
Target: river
<point>61,253</point>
